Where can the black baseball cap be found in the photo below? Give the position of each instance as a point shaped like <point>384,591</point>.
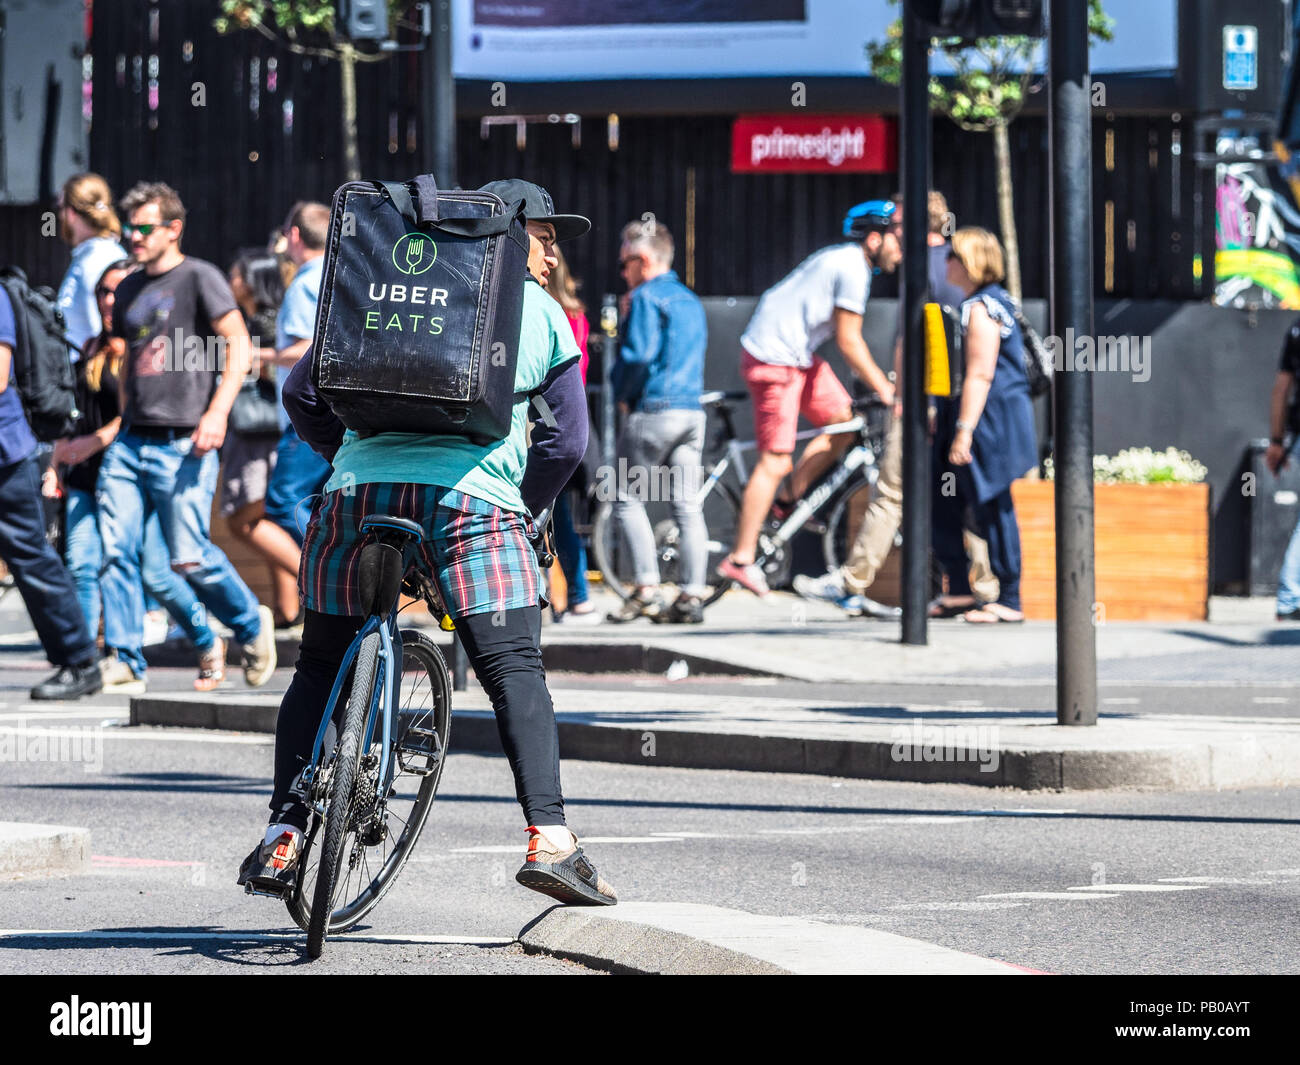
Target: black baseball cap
<point>538,206</point>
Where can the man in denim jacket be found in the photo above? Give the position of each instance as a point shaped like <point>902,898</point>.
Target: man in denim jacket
<point>657,381</point>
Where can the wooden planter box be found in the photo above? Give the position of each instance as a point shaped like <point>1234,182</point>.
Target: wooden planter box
<point>1153,550</point>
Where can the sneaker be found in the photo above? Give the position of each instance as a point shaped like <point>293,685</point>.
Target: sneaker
<point>70,682</point>
<point>829,588</point>
<point>212,667</point>
<point>685,610</point>
<point>869,608</point>
<point>566,876</point>
<point>271,868</point>
<point>638,606</point>
<point>581,617</point>
<point>749,577</point>
<point>118,678</point>
<point>258,657</point>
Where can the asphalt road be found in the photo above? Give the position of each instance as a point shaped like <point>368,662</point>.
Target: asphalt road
<point>1172,883</point>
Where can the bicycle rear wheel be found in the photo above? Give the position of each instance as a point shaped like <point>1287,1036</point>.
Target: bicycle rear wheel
<point>384,832</point>
<point>845,520</point>
<point>721,512</point>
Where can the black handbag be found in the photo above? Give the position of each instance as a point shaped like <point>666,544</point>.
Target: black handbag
<point>254,412</point>
<point>421,302</point>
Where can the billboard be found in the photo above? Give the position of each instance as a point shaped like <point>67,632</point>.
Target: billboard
<point>583,40</point>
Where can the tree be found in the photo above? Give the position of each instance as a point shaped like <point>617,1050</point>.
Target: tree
<point>992,77</point>
<point>306,27</point>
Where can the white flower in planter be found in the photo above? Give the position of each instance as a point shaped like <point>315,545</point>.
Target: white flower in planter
<point>1143,466</point>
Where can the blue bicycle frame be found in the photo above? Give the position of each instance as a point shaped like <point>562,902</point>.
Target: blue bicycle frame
<point>382,700</point>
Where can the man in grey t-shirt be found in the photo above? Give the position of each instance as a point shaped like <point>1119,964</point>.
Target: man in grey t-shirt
<point>824,296</point>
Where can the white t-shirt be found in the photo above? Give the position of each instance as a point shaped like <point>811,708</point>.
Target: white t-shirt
<point>797,314</point>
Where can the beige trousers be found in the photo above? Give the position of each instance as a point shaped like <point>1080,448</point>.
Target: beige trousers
<point>878,523</point>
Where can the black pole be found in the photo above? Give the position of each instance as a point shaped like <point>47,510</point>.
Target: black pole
<point>1070,147</point>
<point>439,97</point>
<point>914,104</point>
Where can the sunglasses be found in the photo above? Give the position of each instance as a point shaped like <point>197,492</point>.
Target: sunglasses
<point>144,229</point>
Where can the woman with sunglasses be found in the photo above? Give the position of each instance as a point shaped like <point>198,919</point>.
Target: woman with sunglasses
<point>99,401</point>
<point>984,437</point>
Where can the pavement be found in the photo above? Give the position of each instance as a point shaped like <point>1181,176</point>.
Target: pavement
<point>993,740</point>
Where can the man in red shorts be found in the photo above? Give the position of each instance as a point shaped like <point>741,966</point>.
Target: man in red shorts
<point>823,296</point>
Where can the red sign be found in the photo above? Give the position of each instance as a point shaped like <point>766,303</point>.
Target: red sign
<point>797,144</point>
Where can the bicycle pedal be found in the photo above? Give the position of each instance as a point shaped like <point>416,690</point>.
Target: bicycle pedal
<point>250,889</point>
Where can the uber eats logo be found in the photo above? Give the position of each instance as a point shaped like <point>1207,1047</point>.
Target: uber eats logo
<point>414,253</point>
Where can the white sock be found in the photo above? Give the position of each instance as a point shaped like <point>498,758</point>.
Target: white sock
<point>274,832</point>
<point>558,836</point>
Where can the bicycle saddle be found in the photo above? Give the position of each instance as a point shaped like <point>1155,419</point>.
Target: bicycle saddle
<point>388,522</point>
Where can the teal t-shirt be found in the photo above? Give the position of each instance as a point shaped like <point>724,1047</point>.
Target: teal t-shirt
<point>492,472</point>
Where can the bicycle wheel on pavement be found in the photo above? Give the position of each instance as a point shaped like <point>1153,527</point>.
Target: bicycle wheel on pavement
<point>721,512</point>
<point>381,833</point>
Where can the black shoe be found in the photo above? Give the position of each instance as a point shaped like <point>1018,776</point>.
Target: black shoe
<point>70,682</point>
<point>685,610</point>
<point>270,868</point>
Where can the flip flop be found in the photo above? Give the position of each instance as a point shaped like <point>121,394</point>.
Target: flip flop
<point>990,618</point>
<point>939,611</point>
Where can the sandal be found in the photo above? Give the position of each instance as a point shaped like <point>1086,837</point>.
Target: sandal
<point>940,610</point>
<point>212,667</point>
<point>984,616</point>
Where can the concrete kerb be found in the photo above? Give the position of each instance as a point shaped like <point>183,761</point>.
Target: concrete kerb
<point>688,939</point>
<point>1028,758</point>
<point>29,850</point>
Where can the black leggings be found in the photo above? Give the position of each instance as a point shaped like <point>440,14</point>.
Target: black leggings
<point>505,650</point>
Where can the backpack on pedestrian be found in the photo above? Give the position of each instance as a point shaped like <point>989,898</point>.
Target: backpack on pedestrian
<point>421,299</point>
<point>42,358</point>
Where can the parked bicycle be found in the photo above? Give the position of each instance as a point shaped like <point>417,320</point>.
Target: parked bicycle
<point>833,507</point>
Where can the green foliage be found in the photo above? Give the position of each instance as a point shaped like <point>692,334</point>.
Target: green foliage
<point>309,21</point>
<point>993,75</point>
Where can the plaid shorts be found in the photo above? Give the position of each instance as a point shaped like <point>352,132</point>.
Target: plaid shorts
<point>478,554</point>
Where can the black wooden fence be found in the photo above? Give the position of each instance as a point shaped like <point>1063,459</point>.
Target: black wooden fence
<point>243,128</point>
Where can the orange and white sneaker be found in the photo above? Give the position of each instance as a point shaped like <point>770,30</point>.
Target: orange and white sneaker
<point>565,875</point>
<point>271,868</point>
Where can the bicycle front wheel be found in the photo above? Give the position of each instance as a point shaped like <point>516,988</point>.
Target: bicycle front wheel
<point>721,513</point>
<point>387,829</point>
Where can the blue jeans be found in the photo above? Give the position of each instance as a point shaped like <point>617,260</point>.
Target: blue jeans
<point>42,581</point>
<point>142,475</point>
<point>571,551</point>
<point>299,474</point>
<point>85,557</point>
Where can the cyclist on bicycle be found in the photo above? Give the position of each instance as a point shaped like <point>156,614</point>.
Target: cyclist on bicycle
<point>475,504</point>
<point>824,296</point>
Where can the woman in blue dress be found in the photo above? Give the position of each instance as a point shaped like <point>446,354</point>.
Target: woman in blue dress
<point>984,436</point>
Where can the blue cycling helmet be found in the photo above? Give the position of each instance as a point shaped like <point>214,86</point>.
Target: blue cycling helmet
<point>864,217</point>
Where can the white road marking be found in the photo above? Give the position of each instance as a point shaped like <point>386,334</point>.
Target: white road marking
<point>260,937</point>
<point>1118,701</point>
<point>1046,895</point>
<point>1269,699</point>
<point>963,907</point>
<point>1211,880</point>
<point>168,735</point>
<point>515,848</point>
<point>1140,887</point>
<point>1020,811</point>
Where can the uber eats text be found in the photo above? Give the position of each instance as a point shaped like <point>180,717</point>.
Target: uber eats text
<point>388,319</point>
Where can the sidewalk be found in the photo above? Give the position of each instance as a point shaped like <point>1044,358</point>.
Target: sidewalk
<point>740,726</point>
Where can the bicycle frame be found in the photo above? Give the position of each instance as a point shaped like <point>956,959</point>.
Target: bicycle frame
<point>854,459</point>
<point>381,701</point>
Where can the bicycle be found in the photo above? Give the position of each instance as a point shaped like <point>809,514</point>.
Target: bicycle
<point>393,737</point>
<point>842,494</point>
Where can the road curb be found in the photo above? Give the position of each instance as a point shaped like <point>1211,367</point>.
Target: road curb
<point>557,657</point>
<point>29,850</point>
<point>686,939</point>
<point>1230,762</point>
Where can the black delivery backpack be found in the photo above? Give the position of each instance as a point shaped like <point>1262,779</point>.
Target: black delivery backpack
<point>417,329</point>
